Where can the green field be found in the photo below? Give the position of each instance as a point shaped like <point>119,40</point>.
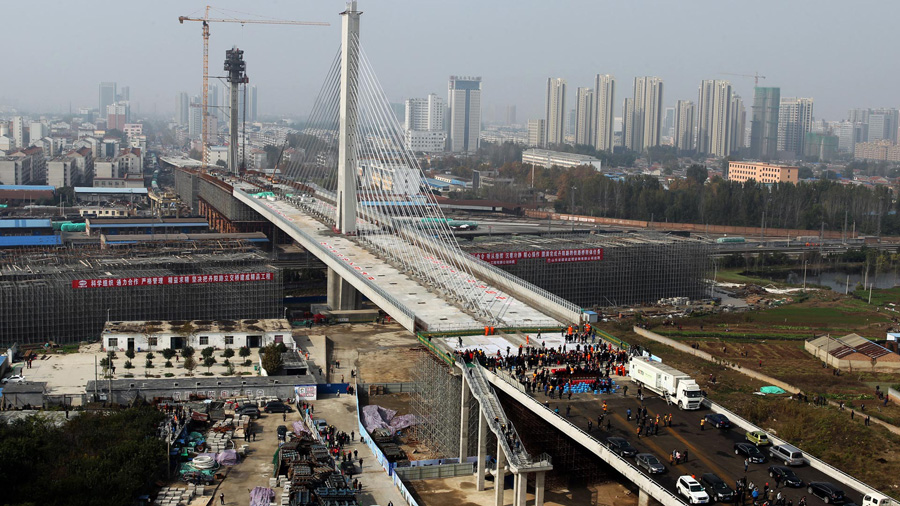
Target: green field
<point>844,316</point>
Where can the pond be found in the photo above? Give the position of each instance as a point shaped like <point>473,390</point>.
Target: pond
<point>837,280</point>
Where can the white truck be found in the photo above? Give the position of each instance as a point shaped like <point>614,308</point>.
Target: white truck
<point>675,386</point>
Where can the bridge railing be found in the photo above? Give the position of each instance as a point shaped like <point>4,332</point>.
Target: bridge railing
<point>671,497</point>
<point>377,289</point>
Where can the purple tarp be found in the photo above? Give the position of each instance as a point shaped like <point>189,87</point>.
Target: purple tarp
<point>261,496</point>
<point>299,427</point>
<point>228,458</point>
<point>375,417</point>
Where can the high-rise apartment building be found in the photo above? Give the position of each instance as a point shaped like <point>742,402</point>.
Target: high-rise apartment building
<point>628,123</point>
<point>556,111</point>
<point>252,114</point>
<point>18,131</point>
<point>604,95</point>
<point>646,120</point>
<point>107,97</point>
<point>738,123</point>
<point>584,116</point>
<point>182,109</point>
<point>764,123</point>
<point>668,127</point>
<point>714,118</point>
<point>849,134</point>
<point>425,113</point>
<point>684,125</point>
<point>124,94</point>
<point>37,131</point>
<point>510,115</point>
<point>425,124</point>
<point>464,100</point>
<point>795,116</point>
<point>882,125</point>
<point>537,133</point>
<point>118,115</point>
<point>195,118</point>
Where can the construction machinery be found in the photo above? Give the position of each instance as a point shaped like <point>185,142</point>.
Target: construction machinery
<point>756,77</point>
<point>206,20</point>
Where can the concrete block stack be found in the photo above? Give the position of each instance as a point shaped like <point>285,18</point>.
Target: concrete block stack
<point>220,440</point>
<point>174,496</point>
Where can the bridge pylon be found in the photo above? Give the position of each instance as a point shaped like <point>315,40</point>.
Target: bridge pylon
<point>348,158</point>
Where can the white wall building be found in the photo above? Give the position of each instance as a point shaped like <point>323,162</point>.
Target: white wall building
<point>425,141</point>
<point>546,158</point>
<point>584,116</point>
<point>604,95</point>
<point>537,133</point>
<point>198,334</point>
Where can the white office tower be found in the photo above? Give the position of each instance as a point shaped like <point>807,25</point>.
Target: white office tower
<point>464,97</point>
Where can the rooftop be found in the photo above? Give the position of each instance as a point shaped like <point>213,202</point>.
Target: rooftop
<point>184,326</point>
<point>111,191</point>
<point>32,187</point>
<point>25,223</point>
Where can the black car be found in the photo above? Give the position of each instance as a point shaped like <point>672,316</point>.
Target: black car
<point>786,476</point>
<point>249,410</point>
<point>718,421</point>
<point>750,451</point>
<point>277,407</point>
<point>621,446</point>
<point>650,463</point>
<point>281,431</point>
<point>716,487</point>
<point>825,491</point>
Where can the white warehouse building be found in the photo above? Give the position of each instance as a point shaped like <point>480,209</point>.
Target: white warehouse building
<point>547,158</point>
<point>198,334</point>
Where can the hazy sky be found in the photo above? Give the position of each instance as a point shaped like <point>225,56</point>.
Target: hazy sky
<point>841,53</point>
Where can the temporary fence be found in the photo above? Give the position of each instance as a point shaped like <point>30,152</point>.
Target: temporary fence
<point>433,472</point>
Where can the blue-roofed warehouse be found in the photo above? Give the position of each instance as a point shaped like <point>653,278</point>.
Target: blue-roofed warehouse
<point>118,226</point>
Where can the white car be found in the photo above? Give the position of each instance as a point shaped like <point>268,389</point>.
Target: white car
<point>691,490</point>
<point>16,378</point>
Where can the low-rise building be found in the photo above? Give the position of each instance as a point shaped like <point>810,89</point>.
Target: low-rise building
<point>198,334</point>
<point>425,141</point>
<point>547,158</point>
<point>62,171</point>
<point>764,173</point>
<point>883,150</point>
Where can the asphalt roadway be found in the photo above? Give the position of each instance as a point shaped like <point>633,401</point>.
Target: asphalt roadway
<point>710,450</point>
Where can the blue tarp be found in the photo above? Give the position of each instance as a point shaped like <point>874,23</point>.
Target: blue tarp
<point>9,241</point>
<point>26,223</point>
<point>34,187</point>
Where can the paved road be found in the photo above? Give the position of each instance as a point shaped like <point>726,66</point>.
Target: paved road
<point>710,450</point>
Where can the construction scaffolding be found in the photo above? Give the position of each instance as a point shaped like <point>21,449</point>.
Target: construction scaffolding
<point>629,269</point>
<point>65,296</point>
<point>437,401</point>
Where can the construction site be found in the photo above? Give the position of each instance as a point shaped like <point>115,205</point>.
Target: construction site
<point>603,270</point>
<point>66,295</point>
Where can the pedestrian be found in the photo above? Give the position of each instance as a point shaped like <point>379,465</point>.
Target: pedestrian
<point>360,463</point>
<point>685,455</point>
<point>607,425</point>
<point>352,435</point>
<point>568,410</point>
<point>851,414</point>
<point>777,481</point>
<point>590,425</point>
<point>355,454</point>
<point>625,391</point>
<point>628,413</point>
<point>222,498</point>
<point>702,423</point>
<point>867,419</point>
<point>284,417</point>
<point>746,464</point>
<point>254,435</point>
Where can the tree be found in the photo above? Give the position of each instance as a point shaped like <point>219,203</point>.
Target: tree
<point>149,363</point>
<point>228,353</point>
<point>189,365</point>
<point>244,352</point>
<point>207,352</point>
<point>187,352</point>
<point>168,353</point>
<point>129,353</point>
<point>271,360</point>
<point>150,355</point>
<point>805,172</point>
<point>208,362</point>
<point>697,173</point>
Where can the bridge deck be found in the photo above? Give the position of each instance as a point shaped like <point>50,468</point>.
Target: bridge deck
<point>428,306</point>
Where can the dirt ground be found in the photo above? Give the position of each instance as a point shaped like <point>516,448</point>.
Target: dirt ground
<point>460,491</point>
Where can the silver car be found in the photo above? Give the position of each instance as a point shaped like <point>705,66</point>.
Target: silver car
<point>649,462</point>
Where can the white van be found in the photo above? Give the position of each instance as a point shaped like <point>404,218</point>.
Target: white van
<point>790,455</point>
<point>878,500</point>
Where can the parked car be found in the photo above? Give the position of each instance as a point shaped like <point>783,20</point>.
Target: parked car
<point>758,437</point>
<point>621,446</point>
<point>827,492</point>
<point>649,462</point>
<point>281,431</point>
<point>691,490</point>
<point>790,455</point>
<point>249,410</point>
<point>277,407</point>
<point>15,378</point>
<point>786,476</point>
<point>320,425</point>
<point>718,421</point>
<point>750,451</point>
<point>717,488</point>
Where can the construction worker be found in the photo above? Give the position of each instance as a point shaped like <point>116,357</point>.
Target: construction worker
<point>702,423</point>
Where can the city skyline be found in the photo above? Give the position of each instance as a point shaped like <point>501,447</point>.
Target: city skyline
<point>510,79</point>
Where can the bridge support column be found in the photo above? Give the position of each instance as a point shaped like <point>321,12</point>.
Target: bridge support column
<point>521,489</point>
<point>643,498</point>
<point>499,475</point>
<point>482,450</point>
<point>342,295</point>
<point>539,488</point>
<point>464,421</point>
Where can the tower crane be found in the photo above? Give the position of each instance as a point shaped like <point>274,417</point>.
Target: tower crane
<point>206,20</point>
<point>756,77</point>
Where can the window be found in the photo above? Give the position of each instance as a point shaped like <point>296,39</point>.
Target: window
<point>279,339</point>
<point>229,340</point>
<point>152,341</point>
<point>113,342</point>
<point>204,340</point>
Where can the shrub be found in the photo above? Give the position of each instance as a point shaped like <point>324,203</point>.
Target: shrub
<point>169,374</point>
<point>168,363</point>
<point>228,353</point>
<point>149,364</point>
<point>150,355</point>
<point>207,352</point>
<point>129,354</point>
<point>187,352</point>
<point>168,353</point>
<point>128,364</point>
<point>244,351</point>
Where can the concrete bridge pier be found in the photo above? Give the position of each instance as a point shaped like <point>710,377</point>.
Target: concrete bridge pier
<point>644,498</point>
<point>482,450</point>
<point>539,488</point>
<point>342,296</point>
<point>499,475</point>
<point>521,486</point>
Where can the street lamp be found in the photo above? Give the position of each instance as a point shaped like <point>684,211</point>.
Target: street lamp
<point>805,262</point>
<point>572,210</point>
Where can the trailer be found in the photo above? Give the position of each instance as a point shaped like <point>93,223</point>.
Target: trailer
<point>673,385</point>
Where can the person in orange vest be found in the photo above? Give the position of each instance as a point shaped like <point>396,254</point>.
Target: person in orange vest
<point>527,339</point>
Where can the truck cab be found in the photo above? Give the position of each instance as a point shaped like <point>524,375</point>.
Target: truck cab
<point>675,386</point>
